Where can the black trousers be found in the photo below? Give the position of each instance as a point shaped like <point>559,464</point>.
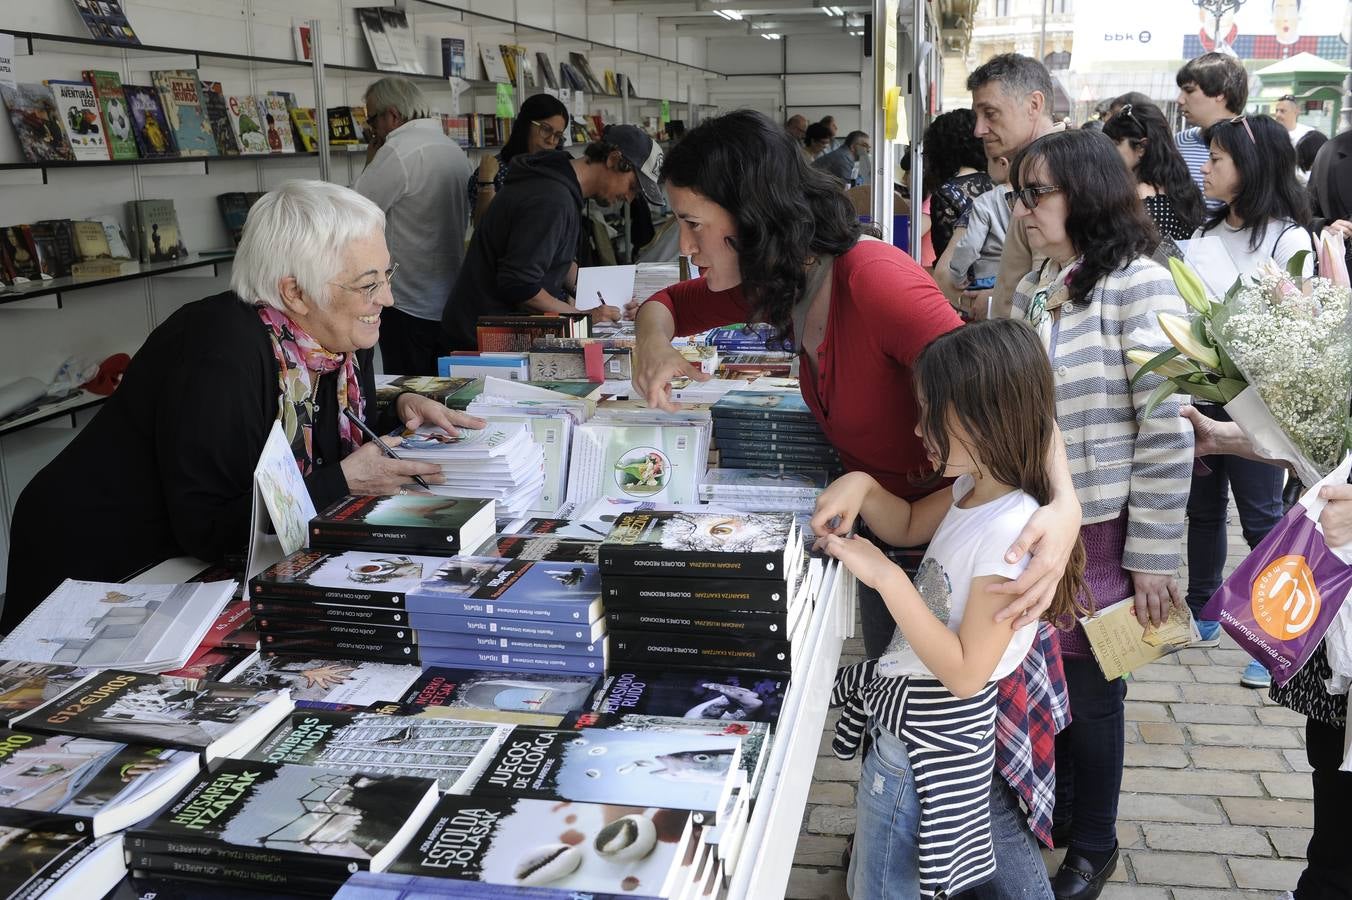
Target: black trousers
<point>409,345</point>
<point>1328,873</point>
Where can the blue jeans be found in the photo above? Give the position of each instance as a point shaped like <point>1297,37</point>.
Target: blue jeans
<point>1258,497</point>
<point>1089,755</point>
<point>885,863</point>
<point>1019,870</point>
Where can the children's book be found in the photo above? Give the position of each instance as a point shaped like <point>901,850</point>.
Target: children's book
<point>79,108</point>
<point>213,717</point>
<point>276,123</point>
<point>412,523</point>
<point>246,123</point>
<point>151,131</point>
<point>37,122</point>
<point>306,131</point>
<point>87,786</point>
<point>145,627</point>
<point>182,102</point>
<point>679,770</point>
<point>575,849</point>
<point>451,752</point>
<point>286,818</point>
<point>217,109</point>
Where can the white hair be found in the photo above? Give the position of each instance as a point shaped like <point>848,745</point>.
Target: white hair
<point>404,96</point>
<point>301,229</point>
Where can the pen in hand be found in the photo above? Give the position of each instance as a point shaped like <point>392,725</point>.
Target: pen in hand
<point>372,436</point>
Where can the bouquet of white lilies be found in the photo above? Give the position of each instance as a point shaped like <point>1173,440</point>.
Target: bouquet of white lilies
<point>1277,352</point>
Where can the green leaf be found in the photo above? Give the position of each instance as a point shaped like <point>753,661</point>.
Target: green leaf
<point>1230,388</point>
<point>1295,267</point>
<point>1228,367</point>
<point>1159,360</point>
<point>1159,395</point>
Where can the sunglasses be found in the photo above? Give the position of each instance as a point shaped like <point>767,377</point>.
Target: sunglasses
<point>1125,110</point>
<point>1289,98</point>
<point>1029,196</point>
<point>1244,120</point>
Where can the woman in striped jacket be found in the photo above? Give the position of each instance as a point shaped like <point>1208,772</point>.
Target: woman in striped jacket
<point>1096,297</point>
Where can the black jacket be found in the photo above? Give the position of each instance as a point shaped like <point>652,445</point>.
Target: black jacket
<point>1331,181</point>
<point>166,467</point>
<point>525,243</point>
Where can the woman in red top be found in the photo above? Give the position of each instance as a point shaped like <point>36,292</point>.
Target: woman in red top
<point>778,242</point>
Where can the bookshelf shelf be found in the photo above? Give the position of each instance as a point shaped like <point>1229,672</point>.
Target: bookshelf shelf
<point>206,160</point>
<point>131,271</point>
<point>68,407</point>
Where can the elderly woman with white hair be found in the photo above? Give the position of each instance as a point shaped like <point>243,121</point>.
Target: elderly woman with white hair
<point>166,467</point>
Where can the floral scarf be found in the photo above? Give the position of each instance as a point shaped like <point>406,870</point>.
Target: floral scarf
<point>300,363</point>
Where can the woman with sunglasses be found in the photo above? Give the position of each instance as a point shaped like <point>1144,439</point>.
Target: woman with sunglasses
<point>540,125</point>
<point>1095,298</point>
<point>166,467</point>
<point>1146,144</point>
<point>1264,215</point>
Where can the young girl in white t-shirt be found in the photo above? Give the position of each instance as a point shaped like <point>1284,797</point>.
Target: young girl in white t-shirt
<point>987,417</point>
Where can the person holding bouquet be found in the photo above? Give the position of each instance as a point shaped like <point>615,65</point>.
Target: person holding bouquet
<point>1094,299</point>
<point>1265,214</point>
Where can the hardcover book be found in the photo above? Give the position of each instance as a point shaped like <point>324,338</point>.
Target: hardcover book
<point>511,589</point>
<point>234,208</point>
<point>276,123</point>
<point>674,770</point>
<point>106,21</point>
<point>37,122</point>
<point>572,847</point>
<point>702,651</point>
<point>23,259</point>
<point>247,124</point>
<point>87,786</point>
<point>349,577</point>
<point>33,862</point>
<point>214,717</point>
<point>150,128</point>
<point>727,696</point>
<point>525,692</point>
<point>749,545</point>
<point>217,109</point>
<point>410,523</point>
<point>286,817</point>
<point>594,650</point>
<point>390,39</point>
<point>24,686</point>
<point>453,753</point>
<point>329,680</point>
<point>182,102</point>
<point>79,109</point>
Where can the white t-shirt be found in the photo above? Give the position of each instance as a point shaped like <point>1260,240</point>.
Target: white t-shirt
<point>969,544</point>
<point>1281,240</point>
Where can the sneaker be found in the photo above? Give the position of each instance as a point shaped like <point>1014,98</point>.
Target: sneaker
<point>1256,675</point>
<point>1210,634</point>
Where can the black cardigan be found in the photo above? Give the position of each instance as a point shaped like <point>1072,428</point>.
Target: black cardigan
<point>165,468</point>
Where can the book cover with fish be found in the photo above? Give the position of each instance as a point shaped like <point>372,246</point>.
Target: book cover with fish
<point>677,771</point>
<point>727,696</point>
<point>628,850</point>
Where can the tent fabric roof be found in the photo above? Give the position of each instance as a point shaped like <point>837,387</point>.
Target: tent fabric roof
<point>1303,64</point>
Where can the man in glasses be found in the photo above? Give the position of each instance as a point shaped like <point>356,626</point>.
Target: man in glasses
<point>416,176</point>
<point>1211,88</point>
<point>844,161</point>
<point>522,252</point>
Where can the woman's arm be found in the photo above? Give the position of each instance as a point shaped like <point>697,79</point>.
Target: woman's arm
<point>892,520</point>
<point>486,176</point>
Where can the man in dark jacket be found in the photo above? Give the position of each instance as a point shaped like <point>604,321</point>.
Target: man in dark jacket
<point>521,256</point>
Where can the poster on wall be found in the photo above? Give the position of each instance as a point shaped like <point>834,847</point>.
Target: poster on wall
<point>1175,30</point>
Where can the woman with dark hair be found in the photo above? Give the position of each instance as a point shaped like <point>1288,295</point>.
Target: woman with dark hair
<point>955,172</point>
<point>1307,148</point>
<point>778,242</point>
<point>540,125</point>
<point>1096,297</point>
<point>1264,215</point>
<point>1146,144</point>
<point>817,141</point>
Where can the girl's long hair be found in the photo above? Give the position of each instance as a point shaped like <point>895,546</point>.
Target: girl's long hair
<point>535,108</point>
<point>1266,164</point>
<point>1105,220</point>
<point>1162,166</point>
<point>992,379</point>
<point>786,211</point>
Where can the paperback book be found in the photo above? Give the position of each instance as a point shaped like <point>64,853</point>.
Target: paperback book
<point>767,405</point>
<point>155,225</point>
<point>453,57</point>
<point>752,545</point>
<point>594,650</point>
<point>150,128</point>
<point>90,787</point>
<point>409,523</point>
<point>702,651</point>
<point>79,108</point>
<point>390,886</point>
<point>538,547</point>
<point>643,593</point>
<point>35,864</point>
<point>37,122</point>
<point>216,718</point>
<point>25,686</point>
<point>728,622</point>
<point>661,463</point>
<point>389,651</point>
<point>722,695</point>
<point>511,589</point>
<point>347,577</point>
<point>509,661</point>
<point>571,847</point>
<point>329,681</point>
<point>678,771</point>
<point>467,689</point>
<point>430,625</point>
<point>292,818</point>
<point>183,110</point>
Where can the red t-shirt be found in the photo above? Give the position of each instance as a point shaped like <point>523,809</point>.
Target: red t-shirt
<point>884,310</point>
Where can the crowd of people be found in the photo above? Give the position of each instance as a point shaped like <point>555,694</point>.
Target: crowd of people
<point>1005,477</point>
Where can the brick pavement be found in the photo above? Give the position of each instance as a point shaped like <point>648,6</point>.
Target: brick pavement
<point>1215,797</point>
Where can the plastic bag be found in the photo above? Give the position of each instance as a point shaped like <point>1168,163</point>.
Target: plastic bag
<point>1285,595</point>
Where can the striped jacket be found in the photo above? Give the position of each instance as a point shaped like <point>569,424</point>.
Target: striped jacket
<point>1119,458</point>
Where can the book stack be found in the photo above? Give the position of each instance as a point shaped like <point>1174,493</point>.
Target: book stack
<point>757,490</point>
<point>750,338</point>
<point>771,430</point>
<point>500,462</point>
<point>639,457</point>
<point>755,365</point>
<point>518,333</point>
<point>706,590</point>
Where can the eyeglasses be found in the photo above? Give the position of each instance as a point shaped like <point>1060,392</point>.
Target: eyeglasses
<point>370,290</point>
<point>548,133</point>
<point>1029,195</point>
<point>1244,120</point>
